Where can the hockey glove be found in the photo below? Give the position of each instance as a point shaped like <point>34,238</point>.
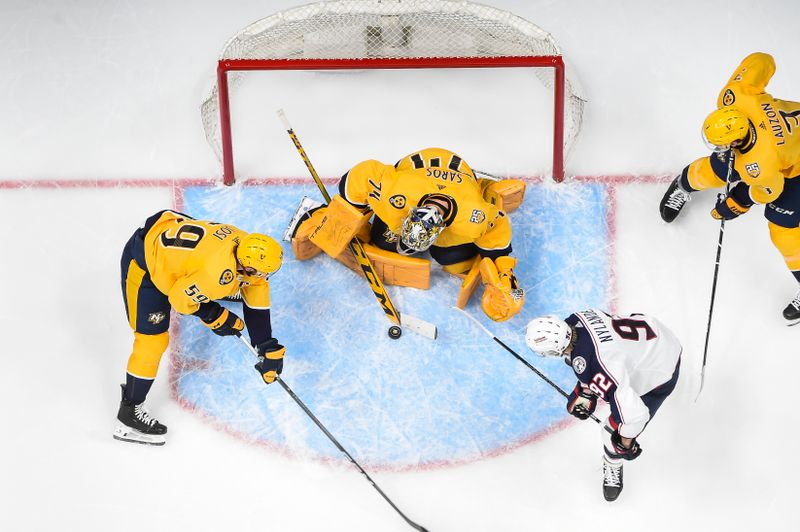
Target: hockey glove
<point>581,402</point>
<point>630,452</point>
<point>502,297</point>
<point>270,360</point>
<point>219,319</point>
<point>735,203</point>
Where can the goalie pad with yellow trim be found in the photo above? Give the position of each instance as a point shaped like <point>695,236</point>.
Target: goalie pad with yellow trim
<point>304,248</point>
<point>393,268</point>
<point>507,194</point>
<point>338,225</point>
<point>502,297</point>
<point>469,284</point>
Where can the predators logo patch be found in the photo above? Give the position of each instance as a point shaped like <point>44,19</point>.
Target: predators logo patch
<point>156,317</point>
<point>728,98</point>
<point>226,277</point>
<point>398,201</point>
<point>753,170</point>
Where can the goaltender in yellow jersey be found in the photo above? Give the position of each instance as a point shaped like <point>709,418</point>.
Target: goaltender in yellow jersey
<point>761,133</point>
<point>429,201</point>
<point>175,261</point>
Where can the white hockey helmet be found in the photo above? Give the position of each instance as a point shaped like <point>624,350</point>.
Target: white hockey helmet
<point>548,336</point>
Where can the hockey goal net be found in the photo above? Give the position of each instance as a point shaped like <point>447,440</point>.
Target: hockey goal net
<point>392,34</point>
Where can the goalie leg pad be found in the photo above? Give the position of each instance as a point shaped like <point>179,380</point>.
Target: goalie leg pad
<point>303,248</point>
<point>469,284</point>
<point>507,194</point>
<point>393,268</point>
<point>340,223</point>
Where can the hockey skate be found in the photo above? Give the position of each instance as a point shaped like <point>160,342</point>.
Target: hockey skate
<point>307,205</point>
<point>612,479</point>
<point>792,311</point>
<point>673,201</point>
<point>135,425</point>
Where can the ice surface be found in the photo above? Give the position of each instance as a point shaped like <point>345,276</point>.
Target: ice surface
<point>108,91</point>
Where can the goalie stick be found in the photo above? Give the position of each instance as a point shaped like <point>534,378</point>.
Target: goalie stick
<point>412,323</point>
<point>333,440</point>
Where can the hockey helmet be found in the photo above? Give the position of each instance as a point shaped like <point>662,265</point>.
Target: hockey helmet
<point>259,254</point>
<point>420,229</point>
<point>725,126</point>
<point>548,336</point>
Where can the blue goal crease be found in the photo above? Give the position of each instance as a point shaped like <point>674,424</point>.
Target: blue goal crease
<point>406,402</point>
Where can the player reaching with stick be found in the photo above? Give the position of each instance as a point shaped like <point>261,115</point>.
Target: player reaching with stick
<point>761,134</point>
<point>175,261</point>
<point>429,201</point>
<point>632,362</point>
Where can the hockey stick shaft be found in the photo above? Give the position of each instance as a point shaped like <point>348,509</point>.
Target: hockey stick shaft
<point>544,377</point>
<point>714,281</point>
<point>375,283</point>
<point>335,442</point>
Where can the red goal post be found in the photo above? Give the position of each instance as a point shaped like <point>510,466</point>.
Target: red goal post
<point>398,34</point>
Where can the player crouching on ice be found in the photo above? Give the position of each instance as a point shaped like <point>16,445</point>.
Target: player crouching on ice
<point>175,261</point>
<point>761,133</point>
<point>429,201</point>
<point>632,362</point>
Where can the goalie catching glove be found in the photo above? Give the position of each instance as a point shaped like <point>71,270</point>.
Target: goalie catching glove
<point>220,320</point>
<point>502,297</point>
<point>581,402</point>
<point>270,360</point>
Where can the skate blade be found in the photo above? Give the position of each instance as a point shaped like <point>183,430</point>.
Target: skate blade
<point>127,434</point>
<point>793,323</point>
<point>306,204</point>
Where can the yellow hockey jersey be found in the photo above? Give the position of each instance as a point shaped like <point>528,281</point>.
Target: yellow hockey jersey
<point>391,191</point>
<point>193,262</point>
<point>774,151</point>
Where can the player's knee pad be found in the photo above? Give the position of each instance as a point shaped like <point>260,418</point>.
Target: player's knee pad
<point>787,240</point>
<point>506,194</point>
<point>146,355</point>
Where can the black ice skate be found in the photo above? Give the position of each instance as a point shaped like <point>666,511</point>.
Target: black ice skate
<point>792,311</point>
<point>135,425</point>
<point>612,479</point>
<point>673,201</point>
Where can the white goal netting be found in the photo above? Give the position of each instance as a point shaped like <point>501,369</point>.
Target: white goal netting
<point>370,29</point>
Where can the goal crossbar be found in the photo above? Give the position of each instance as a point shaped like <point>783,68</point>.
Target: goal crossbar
<point>225,66</point>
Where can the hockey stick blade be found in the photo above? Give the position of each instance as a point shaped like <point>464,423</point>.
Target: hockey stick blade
<point>419,326</point>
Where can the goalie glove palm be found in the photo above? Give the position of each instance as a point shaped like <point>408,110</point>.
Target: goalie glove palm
<point>502,297</point>
<point>270,360</point>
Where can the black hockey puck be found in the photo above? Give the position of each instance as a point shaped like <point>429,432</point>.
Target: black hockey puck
<point>395,332</point>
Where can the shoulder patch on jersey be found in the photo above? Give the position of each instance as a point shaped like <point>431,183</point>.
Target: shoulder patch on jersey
<point>156,317</point>
<point>398,201</point>
<point>477,217</point>
<point>226,277</point>
<point>753,170</point>
<point>579,365</point>
<point>728,98</point>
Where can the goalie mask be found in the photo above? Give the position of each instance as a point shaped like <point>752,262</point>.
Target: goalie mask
<point>548,336</point>
<point>420,229</point>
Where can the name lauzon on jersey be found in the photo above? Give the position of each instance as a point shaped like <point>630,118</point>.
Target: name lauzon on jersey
<point>598,326</point>
<point>774,122</point>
